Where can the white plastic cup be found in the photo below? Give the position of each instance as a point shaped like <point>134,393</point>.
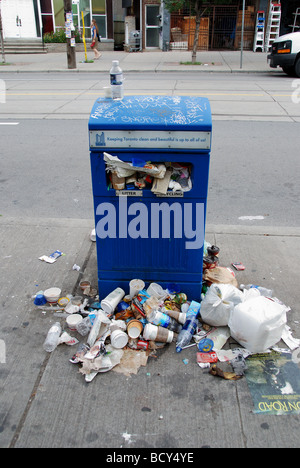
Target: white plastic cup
<point>135,286</point>
<point>156,290</point>
<point>110,302</point>
<point>155,333</point>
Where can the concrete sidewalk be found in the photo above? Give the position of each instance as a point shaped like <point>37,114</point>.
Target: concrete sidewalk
<point>169,403</point>
<point>212,61</point>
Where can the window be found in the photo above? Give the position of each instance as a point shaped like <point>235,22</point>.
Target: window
<point>46,6</point>
<point>152,26</point>
<point>98,7</point>
<point>59,14</point>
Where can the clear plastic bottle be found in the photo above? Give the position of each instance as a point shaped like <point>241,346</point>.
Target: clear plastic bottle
<point>52,337</point>
<point>116,80</point>
<point>186,334</point>
<point>160,319</point>
<point>190,326</point>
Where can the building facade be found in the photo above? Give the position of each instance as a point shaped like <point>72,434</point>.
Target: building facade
<point>142,24</point>
<point>29,19</point>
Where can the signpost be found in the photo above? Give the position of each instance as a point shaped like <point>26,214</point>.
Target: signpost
<point>83,35</point>
<point>242,35</point>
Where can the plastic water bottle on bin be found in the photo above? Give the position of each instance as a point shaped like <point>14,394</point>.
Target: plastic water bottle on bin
<point>190,326</point>
<point>116,80</point>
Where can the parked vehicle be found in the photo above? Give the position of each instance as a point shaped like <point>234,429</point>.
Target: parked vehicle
<point>285,53</point>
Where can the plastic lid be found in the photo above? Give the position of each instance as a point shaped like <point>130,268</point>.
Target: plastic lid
<point>205,345</point>
<point>106,306</point>
<point>119,339</point>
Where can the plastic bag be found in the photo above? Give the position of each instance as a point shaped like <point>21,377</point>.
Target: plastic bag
<point>218,303</point>
<point>257,324</point>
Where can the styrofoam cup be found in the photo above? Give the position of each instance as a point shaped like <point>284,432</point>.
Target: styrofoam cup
<point>72,320</point>
<point>110,302</point>
<point>118,338</point>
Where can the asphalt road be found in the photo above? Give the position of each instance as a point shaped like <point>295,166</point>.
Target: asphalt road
<point>44,152</point>
<point>254,171</point>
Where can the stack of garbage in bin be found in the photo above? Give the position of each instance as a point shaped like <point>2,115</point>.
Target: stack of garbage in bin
<point>139,174</point>
<point>122,330</point>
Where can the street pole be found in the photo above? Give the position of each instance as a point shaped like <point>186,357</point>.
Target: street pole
<point>1,37</point>
<point>242,35</point>
<point>71,54</point>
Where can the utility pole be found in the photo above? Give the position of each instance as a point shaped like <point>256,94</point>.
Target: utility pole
<point>71,52</point>
<point>242,35</point>
<point>1,37</point>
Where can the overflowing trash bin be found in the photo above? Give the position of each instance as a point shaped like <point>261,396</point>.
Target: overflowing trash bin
<point>160,283</point>
<point>150,165</point>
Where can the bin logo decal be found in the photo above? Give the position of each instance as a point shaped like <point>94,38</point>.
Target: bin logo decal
<point>156,221</point>
<point>100,139</point>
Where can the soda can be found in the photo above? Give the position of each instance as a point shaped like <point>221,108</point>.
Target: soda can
<point>141,344</point>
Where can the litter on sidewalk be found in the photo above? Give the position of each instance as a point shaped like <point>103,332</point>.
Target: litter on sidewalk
<point>123,330</point>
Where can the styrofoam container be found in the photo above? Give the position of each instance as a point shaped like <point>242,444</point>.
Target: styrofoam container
<point>119,338</point>
<point>72,320</point>
<point>257,324</point>
<point>52,295</point>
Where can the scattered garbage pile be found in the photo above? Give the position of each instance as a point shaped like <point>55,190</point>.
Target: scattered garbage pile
<point>121,331</point>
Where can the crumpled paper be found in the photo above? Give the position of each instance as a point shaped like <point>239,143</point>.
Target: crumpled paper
<point>131,361</point>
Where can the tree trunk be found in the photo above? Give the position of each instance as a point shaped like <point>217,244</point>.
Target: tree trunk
<point>198,6</point>
<point>196,37</point>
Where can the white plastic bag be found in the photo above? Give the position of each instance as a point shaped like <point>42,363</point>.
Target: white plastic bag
<point>218,303</point>
<point>257,324</point>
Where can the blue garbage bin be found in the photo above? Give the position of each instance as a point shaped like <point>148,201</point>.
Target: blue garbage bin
<point>150,166</point>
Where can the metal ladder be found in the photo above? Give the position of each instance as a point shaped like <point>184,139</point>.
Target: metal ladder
<point>296,26</point>
<point>273,24</point>
<point>259,38</point>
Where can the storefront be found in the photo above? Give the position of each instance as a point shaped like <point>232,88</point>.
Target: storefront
<point>26,19</point>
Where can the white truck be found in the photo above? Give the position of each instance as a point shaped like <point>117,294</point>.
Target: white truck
<point>285,53</point>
